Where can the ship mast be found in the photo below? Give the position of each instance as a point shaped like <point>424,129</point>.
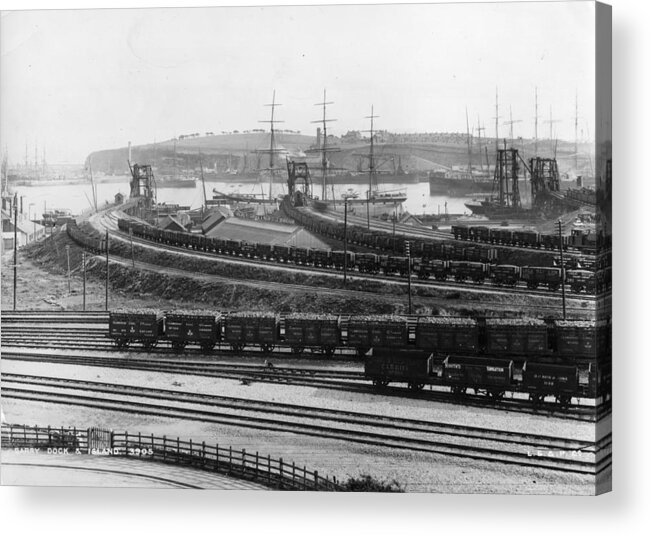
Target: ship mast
<point>324,149</point>
<point>510,123</point>
<point>371,170</point>
<point>479,130</point>
<point>272,142</point>
<point>497,124</point>
<point>469,139</point>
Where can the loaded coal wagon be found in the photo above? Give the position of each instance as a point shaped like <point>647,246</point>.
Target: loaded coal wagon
<point>494,377</point>
<point>385,365</point>
<point>183,327</point>
<point>446,335</point>
<point>144,326</point>
<point>365,332</point>
<point>252,328</point>
<point>319,332</point>
<point>523,337</point>
<point>575,339</point>
<point>537,276</point>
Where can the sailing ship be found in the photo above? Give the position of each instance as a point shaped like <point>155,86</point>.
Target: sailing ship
<point>268,201</point>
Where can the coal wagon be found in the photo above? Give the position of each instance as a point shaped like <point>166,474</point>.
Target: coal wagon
<point>445,335</point>
<point>523,337</point>
<point>252,328</point>
<point>384,365</point>
<point>365,332</point>
<point>144,326</point>
<point>314,331</point>
<point>542,380</point>
<point>492,377</point>
<point>183,327</point>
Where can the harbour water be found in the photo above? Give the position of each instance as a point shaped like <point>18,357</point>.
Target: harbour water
<point>78,198</point>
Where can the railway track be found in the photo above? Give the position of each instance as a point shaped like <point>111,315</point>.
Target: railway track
<point>509,447</point>
<point>408,231</point>
<point>307,376</point>
<point>108,222</point>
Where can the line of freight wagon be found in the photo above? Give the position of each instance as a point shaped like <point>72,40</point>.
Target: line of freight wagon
<point>423,267</point>
<point>587,242</point>
<point>384,239</point>
<point>490,377</point>
<point>521,338</point>
<point>437,354</point>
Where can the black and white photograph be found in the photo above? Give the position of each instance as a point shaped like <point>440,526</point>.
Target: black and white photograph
<point>325,248</point>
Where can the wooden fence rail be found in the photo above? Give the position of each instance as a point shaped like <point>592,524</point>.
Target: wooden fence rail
<point>271,472</point>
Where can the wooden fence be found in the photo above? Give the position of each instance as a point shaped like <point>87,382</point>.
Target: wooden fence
<point>270,472</point>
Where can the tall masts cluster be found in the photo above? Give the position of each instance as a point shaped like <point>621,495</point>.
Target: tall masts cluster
<point>272,150</point>
<point>323,148</point>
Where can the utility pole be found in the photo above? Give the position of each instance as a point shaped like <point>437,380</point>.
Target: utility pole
<point>83,261</point>
<point>408,251</point>
<point>68,260</point>
<point>345,238</point>
<point>560,246</point>
<point>107,271</point>
<point>576,132</point>
<point>15,247</point>
<point>133,261</point>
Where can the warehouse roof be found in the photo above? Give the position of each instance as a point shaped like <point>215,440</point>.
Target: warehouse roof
<point>265,232</point>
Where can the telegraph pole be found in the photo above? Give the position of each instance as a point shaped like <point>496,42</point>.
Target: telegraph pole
<point>345,238</point>
<point>107,271</point>
<point>408,251</point>
<point>560,246</point>
<point>68,260</point>
<point>15,247</point>
<point>133,261</point>
<point>83,261</point>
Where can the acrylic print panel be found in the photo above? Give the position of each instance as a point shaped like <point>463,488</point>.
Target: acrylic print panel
<point>328,248</point>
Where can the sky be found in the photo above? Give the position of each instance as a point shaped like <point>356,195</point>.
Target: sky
<point>76,81</point>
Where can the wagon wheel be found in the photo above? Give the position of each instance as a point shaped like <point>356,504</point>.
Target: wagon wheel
<point>267,348</point>
<point>296,350</point>
<point>416,387</point>
<point>149,344</point>
<point>479,281</point>
<point>459,390</point>
<point>536,399</point>
<point>496,395</point>
<point>328,351</point>
<point>564,401</point>
<point>237,346</point>
<point>207,346</point>
<point>554,286</point>
<point>361,351</point>
<point>380,383</point>
<point>178,345</point>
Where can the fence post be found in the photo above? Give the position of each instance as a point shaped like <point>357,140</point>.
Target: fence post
<point>178,449</point>
<point>126,443</point>
<point>139,442</point>
<point>243,460</point>
<point>269,469</point>
<point>217,457</point>
<point>293,474</point>
<point>304,478</point>
<point>203,453</point>
<point>316,479</point>
<point>282,475</point>
<point>191,460</point>
<point>152,445</point>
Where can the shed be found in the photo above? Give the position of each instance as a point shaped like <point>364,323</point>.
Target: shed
<point>28,231</point>
<point>171,222</point>
<point>215,217</point>
<point>266,232</point>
